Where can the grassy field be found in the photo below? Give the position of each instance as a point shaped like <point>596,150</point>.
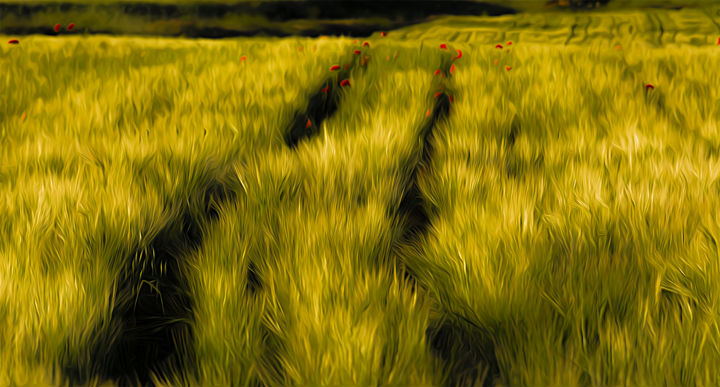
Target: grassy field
<point>557,227</point>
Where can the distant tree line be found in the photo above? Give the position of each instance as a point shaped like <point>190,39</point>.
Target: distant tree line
<point>578,3</point>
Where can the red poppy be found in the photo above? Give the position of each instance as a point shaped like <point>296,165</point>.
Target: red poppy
<point>437,94</point>
<point>308,124</point>
<point>459,55</point>
<point>325,89</point>
<point>366,44</point>
<point>508,68</point>
<point>499,46</point>
<point>649,86</point>
<point>344,83</point>
<point>438,71</point>
<point>508,44</point>
<point>427,113</point>
<point>452,68</point>
<point>70,26</point>
<point>347,65</point>
<point>443,46</point>
<point>13,41</point>
<point>334,67</point>
<point>718,41</point>
<point>496,62</point>
<point>57,27</point>
<point>383,34</point>
<point>450,98</point>
<point>242,58</point>
<point>356,52</point>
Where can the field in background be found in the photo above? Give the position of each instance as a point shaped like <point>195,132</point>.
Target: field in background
<point>556,224</point>
<point>219,19</point>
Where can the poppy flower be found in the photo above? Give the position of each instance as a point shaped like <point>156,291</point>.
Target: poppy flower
<point>452,68</point>
<point>459,55</point>
<point>57,27</point>
<point>496,62</point>
<point>443,46</point>
<point>334,67</point>
<point>356,52</point>
<point>499,46</point>
<point>427,113</point>
<point>308,124</point>
<point>70,26</point>
<point>347,65</point>
<point>345,82</point>
<point>508,68</point>
<point>450,98</point>
<point>437,94</point>
<point>438,71</point>
<point>13,41</point>
<point>325,89</point>
<point>718,41</point>
<point>366,44</point>
<point>509,44</point>
<point>383,34</point>
<point>649,86</point>
<point>242,58</point>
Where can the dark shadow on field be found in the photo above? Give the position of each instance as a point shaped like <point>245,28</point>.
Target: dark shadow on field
<point>464,347</point>
<point>149,331</point>
<point>470,355</point>
<point>412,210</point>
<point>212,20</point>
<point>323,103</point>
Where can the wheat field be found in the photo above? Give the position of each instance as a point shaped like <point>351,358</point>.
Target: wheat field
<point>543,212</point>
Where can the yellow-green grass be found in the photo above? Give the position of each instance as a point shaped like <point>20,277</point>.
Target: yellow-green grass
<point>117,135</point>
<point>572,227</point>
<point>318,225</point>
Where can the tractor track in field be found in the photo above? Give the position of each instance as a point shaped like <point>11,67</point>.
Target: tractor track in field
<point>412,210</point>
<point>149,331</point>
<point>465,348</point>
<point>324,102</point>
